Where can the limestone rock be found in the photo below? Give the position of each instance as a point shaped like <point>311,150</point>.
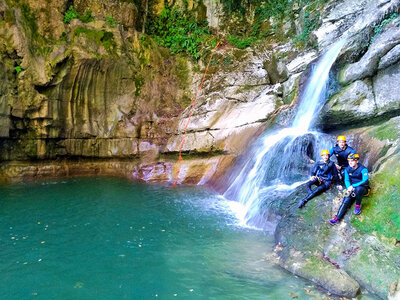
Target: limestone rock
<point>351,20</point>
<point>394,293</point>
<point>387,89</point>
<point>392,57</point>
<point>353,105</point>
<point>276,69</point>
<point>322,273</point>
<point>123,12</point>
<point>369,63</point>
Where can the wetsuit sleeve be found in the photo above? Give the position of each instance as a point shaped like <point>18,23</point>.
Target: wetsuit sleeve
<point>335,173</point>
<point>346,179</point>
<point>314,170</point>
<point>331,172</point>
<point>365,177</point>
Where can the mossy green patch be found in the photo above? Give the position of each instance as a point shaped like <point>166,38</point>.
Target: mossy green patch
<point>139,82</point>
<point>381,212</point>
<point>181,33</point>
<point>30,20</point>
<point>100,37</point>
<point>387,131</point>
<point>182,72</point>
<point>9,16</point>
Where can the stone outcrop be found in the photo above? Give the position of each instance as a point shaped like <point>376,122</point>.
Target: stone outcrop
<point>371,85</point>
<point>364,247</point>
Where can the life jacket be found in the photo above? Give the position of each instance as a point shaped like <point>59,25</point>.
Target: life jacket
<point>341,155</point>
<point>323,170</point>
<point>355,175</point>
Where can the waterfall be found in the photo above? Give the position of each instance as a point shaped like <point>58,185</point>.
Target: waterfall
<point>279,159</point>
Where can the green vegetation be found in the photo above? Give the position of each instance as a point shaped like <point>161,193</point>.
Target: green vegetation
<point>310,24</point>
<point>18,69</point>
<point>110,21</point>
<point>180,33</point>
<point>387,131</point>
<point>182,72</point>
<point>70,14</point>
<point>241,43</point>
<point>227,61</point>
<point>380,210</point>
<point>30,19</point>
<point>139,82</point>
<point>73,14</point>
<point>265,12</point>
<point>9,16</point>
<point>87,17</point>
<point>379,28</point>
<point>38,42</point>
<point>100,37</point>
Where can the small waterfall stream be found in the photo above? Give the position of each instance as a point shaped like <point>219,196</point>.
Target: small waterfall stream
<point>279,159</point>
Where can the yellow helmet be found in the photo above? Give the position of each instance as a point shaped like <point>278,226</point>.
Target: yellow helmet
<point>323,152</point>
<point>353,156</point>
<point>341,138</point>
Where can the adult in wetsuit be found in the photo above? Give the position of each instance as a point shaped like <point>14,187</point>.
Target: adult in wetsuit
<point>321,176</point>
<point>341,151</point>
<point>356,179</point>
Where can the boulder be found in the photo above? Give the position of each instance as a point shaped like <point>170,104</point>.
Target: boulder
<point>322,273</point>
<point>387,90</point>
<point>355,104</point>
<point>369,63</point>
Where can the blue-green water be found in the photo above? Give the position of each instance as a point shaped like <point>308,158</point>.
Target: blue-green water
<point>107,238</point>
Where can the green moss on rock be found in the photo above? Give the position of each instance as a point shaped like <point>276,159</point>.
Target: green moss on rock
<point>100,37</point>
<point>381,212</point>
<point>387,131</point>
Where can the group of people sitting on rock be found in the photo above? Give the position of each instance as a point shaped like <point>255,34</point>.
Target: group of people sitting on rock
<point>347,172</point>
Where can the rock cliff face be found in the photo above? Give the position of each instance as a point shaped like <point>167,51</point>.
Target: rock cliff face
<point>101,98</point>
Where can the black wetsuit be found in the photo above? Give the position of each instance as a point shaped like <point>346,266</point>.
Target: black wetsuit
<point>359,179</point>
<point>324,173</point>
<point>341,156</point>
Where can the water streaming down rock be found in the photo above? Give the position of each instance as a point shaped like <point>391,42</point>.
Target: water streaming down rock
<point>279,160</point>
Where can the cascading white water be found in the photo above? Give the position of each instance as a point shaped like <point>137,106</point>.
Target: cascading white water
<point>278,158</point>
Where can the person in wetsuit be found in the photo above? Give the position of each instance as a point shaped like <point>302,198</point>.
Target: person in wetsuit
<point>341,151</point>
<point>356,179</point>
<point>321,176</point>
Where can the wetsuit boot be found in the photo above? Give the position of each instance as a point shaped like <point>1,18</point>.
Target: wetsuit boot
<point>319,190</point>
<point>303,201</point>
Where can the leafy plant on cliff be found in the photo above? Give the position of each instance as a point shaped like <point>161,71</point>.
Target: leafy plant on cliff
<point>110,21</point>
<point>73,14</point>
<point>240,42</point>
<point>18,69</point>
<point>87,17</point>
<point>179,32</point>
<point>258,19</point>
<point>70,14</point>
<point>310,24</point>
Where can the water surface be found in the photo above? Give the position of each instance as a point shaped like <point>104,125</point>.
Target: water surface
<point>107,238</point>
